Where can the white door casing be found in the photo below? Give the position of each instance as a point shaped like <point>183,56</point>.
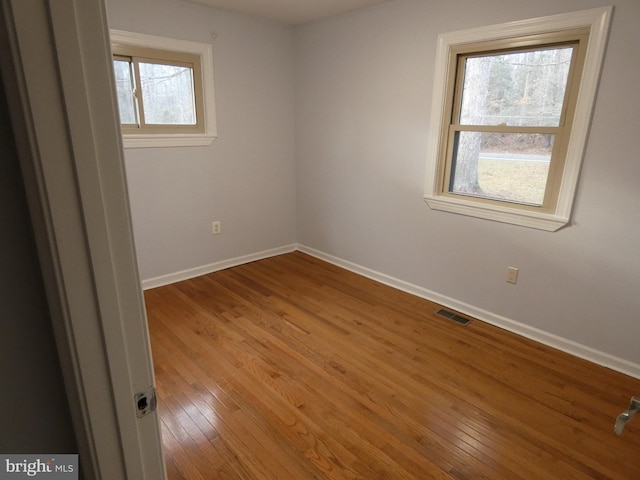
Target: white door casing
<point>59,75</point>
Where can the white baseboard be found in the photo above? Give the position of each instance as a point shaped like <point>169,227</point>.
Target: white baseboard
<point>214,267</point>
<point>549,339</point>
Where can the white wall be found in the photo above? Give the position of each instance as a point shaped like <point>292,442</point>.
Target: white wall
<point>364,84</point>
<point>246,178</point>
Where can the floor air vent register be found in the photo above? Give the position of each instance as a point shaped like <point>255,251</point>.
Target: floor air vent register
<point>453,316</point>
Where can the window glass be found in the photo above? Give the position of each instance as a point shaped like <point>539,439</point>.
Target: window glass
<point>520,89</point>
<point>167,94</point>
<point>125,89</point>
<point>511,167</point>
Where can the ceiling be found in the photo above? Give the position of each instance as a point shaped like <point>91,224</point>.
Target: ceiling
<point>293,12</point>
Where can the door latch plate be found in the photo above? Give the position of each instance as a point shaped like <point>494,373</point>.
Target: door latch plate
<point>145,402</point>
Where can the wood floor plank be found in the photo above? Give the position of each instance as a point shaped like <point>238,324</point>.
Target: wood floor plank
<point>293,368</point>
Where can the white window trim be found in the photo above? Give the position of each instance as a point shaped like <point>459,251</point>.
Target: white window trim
<point>597,20</point>
<point>205,52</point>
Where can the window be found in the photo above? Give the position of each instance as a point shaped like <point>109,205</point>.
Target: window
<point>512,105</point>
<point>158,92</point>
<point>164,89</point>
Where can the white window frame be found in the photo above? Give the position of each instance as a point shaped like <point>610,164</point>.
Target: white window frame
<point>205,53</point>
<point>597,20</point>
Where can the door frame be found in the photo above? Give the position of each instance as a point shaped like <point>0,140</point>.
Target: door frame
<point>58,76</point>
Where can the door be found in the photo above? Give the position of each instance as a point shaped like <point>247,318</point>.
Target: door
<point>56,65</point>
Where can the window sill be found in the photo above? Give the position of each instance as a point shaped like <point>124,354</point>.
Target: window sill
<point>541,221</point>
<point>163,141</point>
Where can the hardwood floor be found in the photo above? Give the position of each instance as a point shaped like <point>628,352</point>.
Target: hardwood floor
<point>292,368</point>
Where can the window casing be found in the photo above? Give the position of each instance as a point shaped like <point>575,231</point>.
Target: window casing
<point>165,90</point>
<point>482,138</point>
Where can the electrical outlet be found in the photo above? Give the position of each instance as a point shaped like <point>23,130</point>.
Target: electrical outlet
<point>512,275</point>
<point>216,228</point>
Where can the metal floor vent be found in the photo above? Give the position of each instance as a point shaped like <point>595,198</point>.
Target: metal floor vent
<point>453,316</point>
